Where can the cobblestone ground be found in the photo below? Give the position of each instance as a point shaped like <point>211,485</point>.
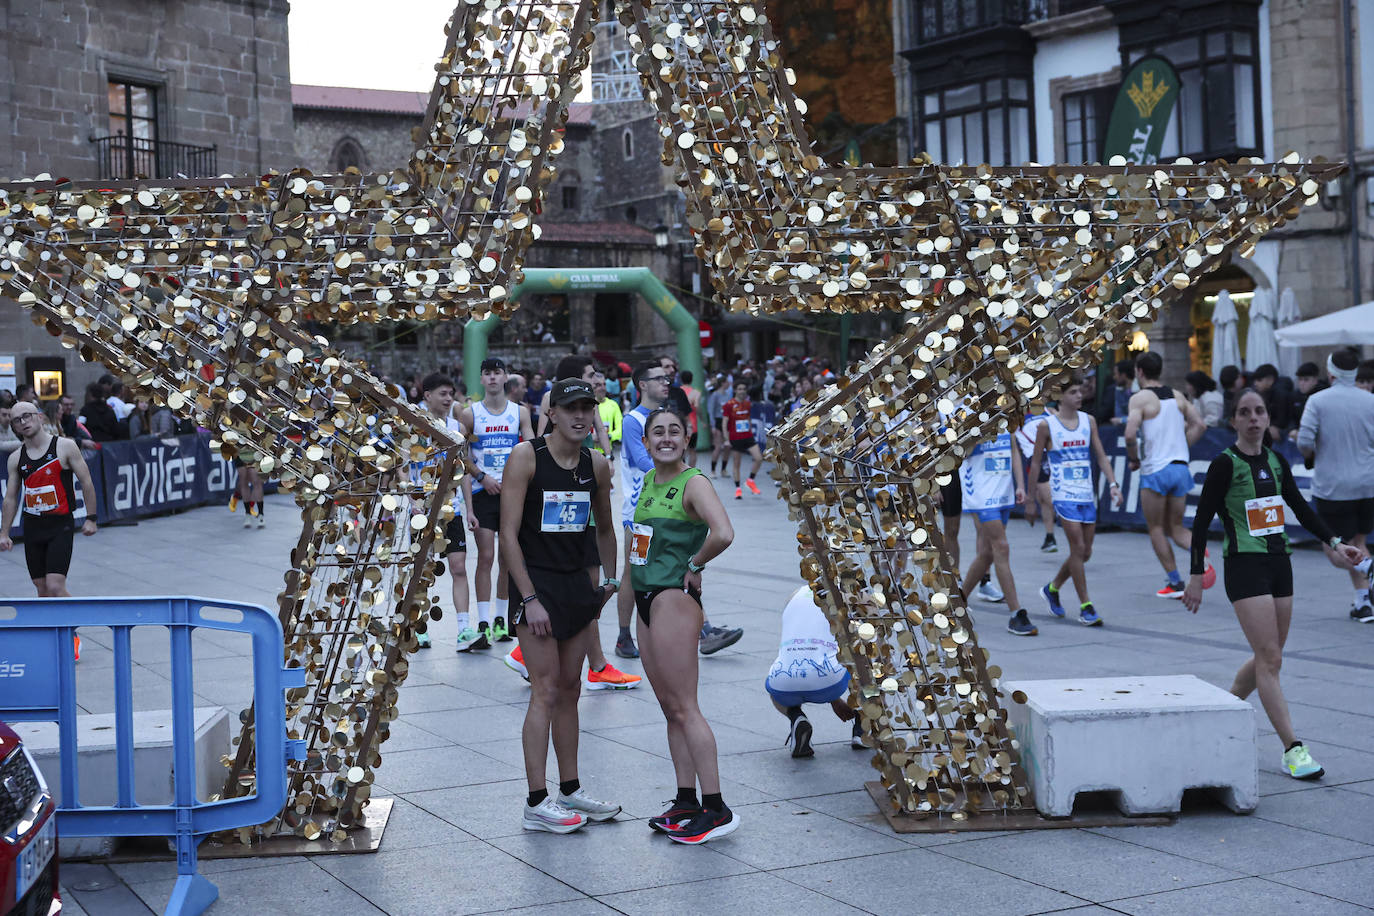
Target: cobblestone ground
<point>811,840</point>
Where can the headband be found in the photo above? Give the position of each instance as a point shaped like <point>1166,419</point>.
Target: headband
<point>1346,376</point>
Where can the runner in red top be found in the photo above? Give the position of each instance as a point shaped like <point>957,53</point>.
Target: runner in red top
<point>40,476</point>
<point>739,430</point>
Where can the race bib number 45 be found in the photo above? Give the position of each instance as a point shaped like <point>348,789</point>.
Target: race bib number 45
<point>640,537</point>
<point>1264,515</point>
<point>566,511</point>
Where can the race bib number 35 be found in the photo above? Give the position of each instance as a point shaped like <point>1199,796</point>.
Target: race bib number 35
<point>566,511</point>
<point>640,536</point>
<point>1264,515</point>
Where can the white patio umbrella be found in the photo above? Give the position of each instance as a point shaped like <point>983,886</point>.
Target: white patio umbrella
<point>1353,326</point>
<point>1225,338</point>
<point>1260,346</point>
<point>1288,315</point>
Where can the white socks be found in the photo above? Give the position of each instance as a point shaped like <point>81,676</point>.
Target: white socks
<point>484,612</point>
<point>500,605</point>
<point>463,621</point>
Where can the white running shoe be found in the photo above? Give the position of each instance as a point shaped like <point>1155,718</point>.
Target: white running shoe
<point>552,817</point>
<point>581,803</point>
<point>988,591</point>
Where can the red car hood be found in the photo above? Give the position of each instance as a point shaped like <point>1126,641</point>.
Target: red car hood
<point>8,740</point>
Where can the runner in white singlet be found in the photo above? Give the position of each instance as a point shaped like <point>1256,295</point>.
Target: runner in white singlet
<point>1068,437</point>
<point>808,671</point>
<point>992,483</point>
<point>498,424</point>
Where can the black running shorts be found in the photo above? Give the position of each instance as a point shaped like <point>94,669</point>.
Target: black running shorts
<point>644,601</point>
<point>1249,575</point>
<point>457,534</point>
<point>743,445</point>
<point>48,548</point>
<point>1347,517</point>
<point>570,599</point>
<point>486,508</point>
<point>952,498</point>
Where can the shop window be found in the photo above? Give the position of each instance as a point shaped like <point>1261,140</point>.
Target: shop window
<point>569,197</point>
<point>1218,110</point>
<point>988,121</point>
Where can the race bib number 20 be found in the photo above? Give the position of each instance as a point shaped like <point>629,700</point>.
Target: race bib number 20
<point>566,511</point>
<point>1264,515</point>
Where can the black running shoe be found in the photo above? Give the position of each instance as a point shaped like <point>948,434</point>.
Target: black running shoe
<point>708,825</point>
<point>800,738</point>
<point>674,817</point>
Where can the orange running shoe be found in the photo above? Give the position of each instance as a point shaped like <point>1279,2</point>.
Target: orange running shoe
<point>739,494</point>
<point>1209,575</point>
<point>753,487</point>
<point>77,639</point>
<point>516,662</point>
<point>609,678</point>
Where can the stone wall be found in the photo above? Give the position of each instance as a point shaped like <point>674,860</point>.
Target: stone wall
<point>224,79</point>
<point>384,138</point>
<point>221,66</point>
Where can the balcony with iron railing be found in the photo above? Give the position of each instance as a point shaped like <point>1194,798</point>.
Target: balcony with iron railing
<point>123,157</point>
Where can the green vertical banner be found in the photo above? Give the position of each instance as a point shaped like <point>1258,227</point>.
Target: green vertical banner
<point>1141,114</point>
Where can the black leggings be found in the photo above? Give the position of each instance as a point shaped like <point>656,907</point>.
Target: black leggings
<point>48,549</point>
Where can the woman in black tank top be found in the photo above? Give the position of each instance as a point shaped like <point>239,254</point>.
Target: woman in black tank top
<point>552,489</point>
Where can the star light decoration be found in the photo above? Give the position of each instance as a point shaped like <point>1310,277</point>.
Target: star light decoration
<point>196,292</point>
<point>1009,278</point>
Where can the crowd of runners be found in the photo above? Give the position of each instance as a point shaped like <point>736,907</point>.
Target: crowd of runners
<point>551,552</point>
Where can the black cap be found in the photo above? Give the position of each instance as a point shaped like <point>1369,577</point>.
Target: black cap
<point>569,391</point>
<point>492,363</point>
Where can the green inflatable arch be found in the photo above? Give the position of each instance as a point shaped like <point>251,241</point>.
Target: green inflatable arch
<point>543,280</point>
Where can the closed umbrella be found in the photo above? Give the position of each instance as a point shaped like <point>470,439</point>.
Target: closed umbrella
<point>1260,346</point>
<point>1288,315</point>
<point>1225,339</point>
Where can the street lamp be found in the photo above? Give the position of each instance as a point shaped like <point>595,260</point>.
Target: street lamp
<point>660,236</point>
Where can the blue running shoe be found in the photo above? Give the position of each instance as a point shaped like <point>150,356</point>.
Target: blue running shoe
<point>1052,598</point>
<point>1087,615</point>
<point>1020,624</point>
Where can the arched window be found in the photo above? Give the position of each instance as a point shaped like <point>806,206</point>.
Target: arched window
<point>347,153</point>
<point>627,142</point>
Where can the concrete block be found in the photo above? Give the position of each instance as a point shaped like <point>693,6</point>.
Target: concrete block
<point>1146,739</point>
<point>153,762</point>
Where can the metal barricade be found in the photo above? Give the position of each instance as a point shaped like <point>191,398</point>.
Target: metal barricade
<point>36,640</point>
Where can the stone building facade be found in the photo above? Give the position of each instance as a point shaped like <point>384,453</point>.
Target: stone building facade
<point>1035,80</point>
<point>124,88</point>
<point>592,216</point>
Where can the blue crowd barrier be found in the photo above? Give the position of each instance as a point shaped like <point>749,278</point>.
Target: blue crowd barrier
<point>37,635</point>
<point>136,478</point>
<point>1213,442</point>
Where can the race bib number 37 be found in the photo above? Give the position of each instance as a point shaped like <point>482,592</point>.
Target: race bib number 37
<point>1264,515</point>
<point>566,511</point>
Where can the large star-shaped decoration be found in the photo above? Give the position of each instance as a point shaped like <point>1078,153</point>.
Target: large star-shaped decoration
<point>1008,278</point>
<point>200,292</point>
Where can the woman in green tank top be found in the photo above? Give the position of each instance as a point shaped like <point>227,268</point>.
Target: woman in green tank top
<point>679,527</point>
<point>1250,486</point>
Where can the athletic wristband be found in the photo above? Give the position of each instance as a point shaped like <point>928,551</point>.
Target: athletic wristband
<point>694,568</point>
<point>613,583</point>
<point>1115,486</point>
<point>526,600</point>
<point>1336,542</point>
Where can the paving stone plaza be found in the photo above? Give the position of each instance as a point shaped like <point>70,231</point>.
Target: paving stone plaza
<point>811,840</point>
